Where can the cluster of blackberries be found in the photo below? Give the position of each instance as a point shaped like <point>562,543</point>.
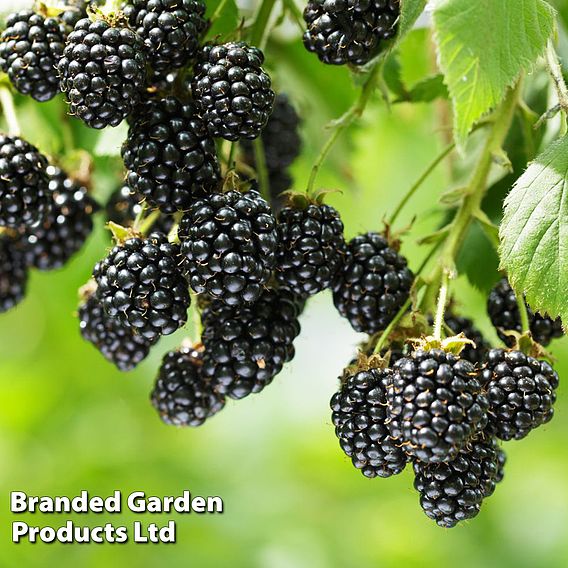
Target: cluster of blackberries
<point>443,412</point>
<point>45,217</point>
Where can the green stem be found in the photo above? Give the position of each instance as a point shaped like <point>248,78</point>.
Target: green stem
<point>218,10</point>
<point>296,14</point>
<point>145,225</point>
<point>555,70</point>
<point>231,157</point>
<point>390,327</point>
<point>261,169</point>
<point>420,181</point>
<point>525,325</point>
<point>258,33</point>
<point>475,192</point>
<point>140,216</point>
<point>346,120</point>
<point>441,308</point>
<point>9,111</point>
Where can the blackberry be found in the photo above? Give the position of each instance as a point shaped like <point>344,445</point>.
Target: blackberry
<point>102,72</point>
<point>141,285</point>
<point>170,156</point>
<point>24,183</point>
<point>74,11</point>
<point>123,206</point>
<point>66,228</point>
<point>453,492</point>
<point>436,405</point>
<point>521,392</point>
<point>359,414</point>
<point>349,31</point>
<point>459,324</point>
<point>229,242</point>
<point>181,395</point>
<point>232,90</point>
<point>30,48</point>
<point>280,137</point>
<point>373,284</point>
<point>503,310</point>
<point>13,273</point>
<point>118,344</point>
<point>170,29</point>
<point>311,248</point>
<point>246,347</point>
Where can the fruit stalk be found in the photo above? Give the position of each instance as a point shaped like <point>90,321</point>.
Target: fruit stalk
<point>258,31</point>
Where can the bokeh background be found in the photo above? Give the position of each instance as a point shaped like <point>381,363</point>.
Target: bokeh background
<point>69,421</point>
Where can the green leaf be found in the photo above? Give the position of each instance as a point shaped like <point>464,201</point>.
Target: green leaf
<point>410,10</point>
<point>426,91</point>
<point>110,140</point>
<point>483,46</point>
<point>225,21</point>
<point>534,232</point>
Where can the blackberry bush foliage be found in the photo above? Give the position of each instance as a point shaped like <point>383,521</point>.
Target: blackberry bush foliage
<point>210,192</point>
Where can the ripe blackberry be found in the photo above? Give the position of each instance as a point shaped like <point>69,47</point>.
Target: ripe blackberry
<point>521,392</point>
<point>30,48</point>
<point>246,346</point>
<point>229,242</point>
<point>459,324</point>
<point>373,284</point>
<point>232,90</point>
<point>141,285</point>
<point>169,155</point>
<point>503,310</point>
<point>436,405</point>
<point>349,31</point>
<point>13,273</point>
<point>74,11</point>
<point>24,191</point>
<point>359,414</point>
<point>123,206</point>
<point>280,137</point>
<point>311,248</point>
<point>66,228</point>
<point>123,346</point>
<point>171,29</point>
<point>181,395</point>
<point>102,72</point>
<point>453,492</point>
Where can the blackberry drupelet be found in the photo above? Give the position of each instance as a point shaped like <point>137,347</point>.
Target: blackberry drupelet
<point>24,183</point>
<point>66,228</point>
<point>503,310</point>
<point>359,414</point>
<point>453,492</point>
<point>311,248</point>
<point>228,241</point>
<point>30,48</point>
<point>102,72</point>
<point>181,395</point>
<point>140,284</point>
<point>521,392</point>
<point>123,206</point>
<point>169,154</point>
<point>280,137</point>
<point>373,284</point>
<point>13,273</point>
<point>349,31</point>
<point>171,30</point>
<point>232,90</point>
<point>123,346</point>
<point>436,405</point>
<point>246,347</point>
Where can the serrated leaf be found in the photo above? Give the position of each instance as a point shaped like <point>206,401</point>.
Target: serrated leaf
<point>534,232</point>
<point>483,46</point>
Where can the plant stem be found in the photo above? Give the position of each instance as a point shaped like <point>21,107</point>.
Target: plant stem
<point>394,322</point>
<point>525,325</point>
<point>296,14</point>
<point>420,181</point>
<point>218,10</point>
<point>473,197</point>
<point>258,33</point>
<point>555,70</point>
<point>140,216</point>
<point>346,120</point>
<point>261,169</point>
<point>9,111</point>
<point>441,308</point>
<point>231,157</point>
<point>145,225</point>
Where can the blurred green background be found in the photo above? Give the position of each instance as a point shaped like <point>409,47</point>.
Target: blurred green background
<point>69,421</point>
